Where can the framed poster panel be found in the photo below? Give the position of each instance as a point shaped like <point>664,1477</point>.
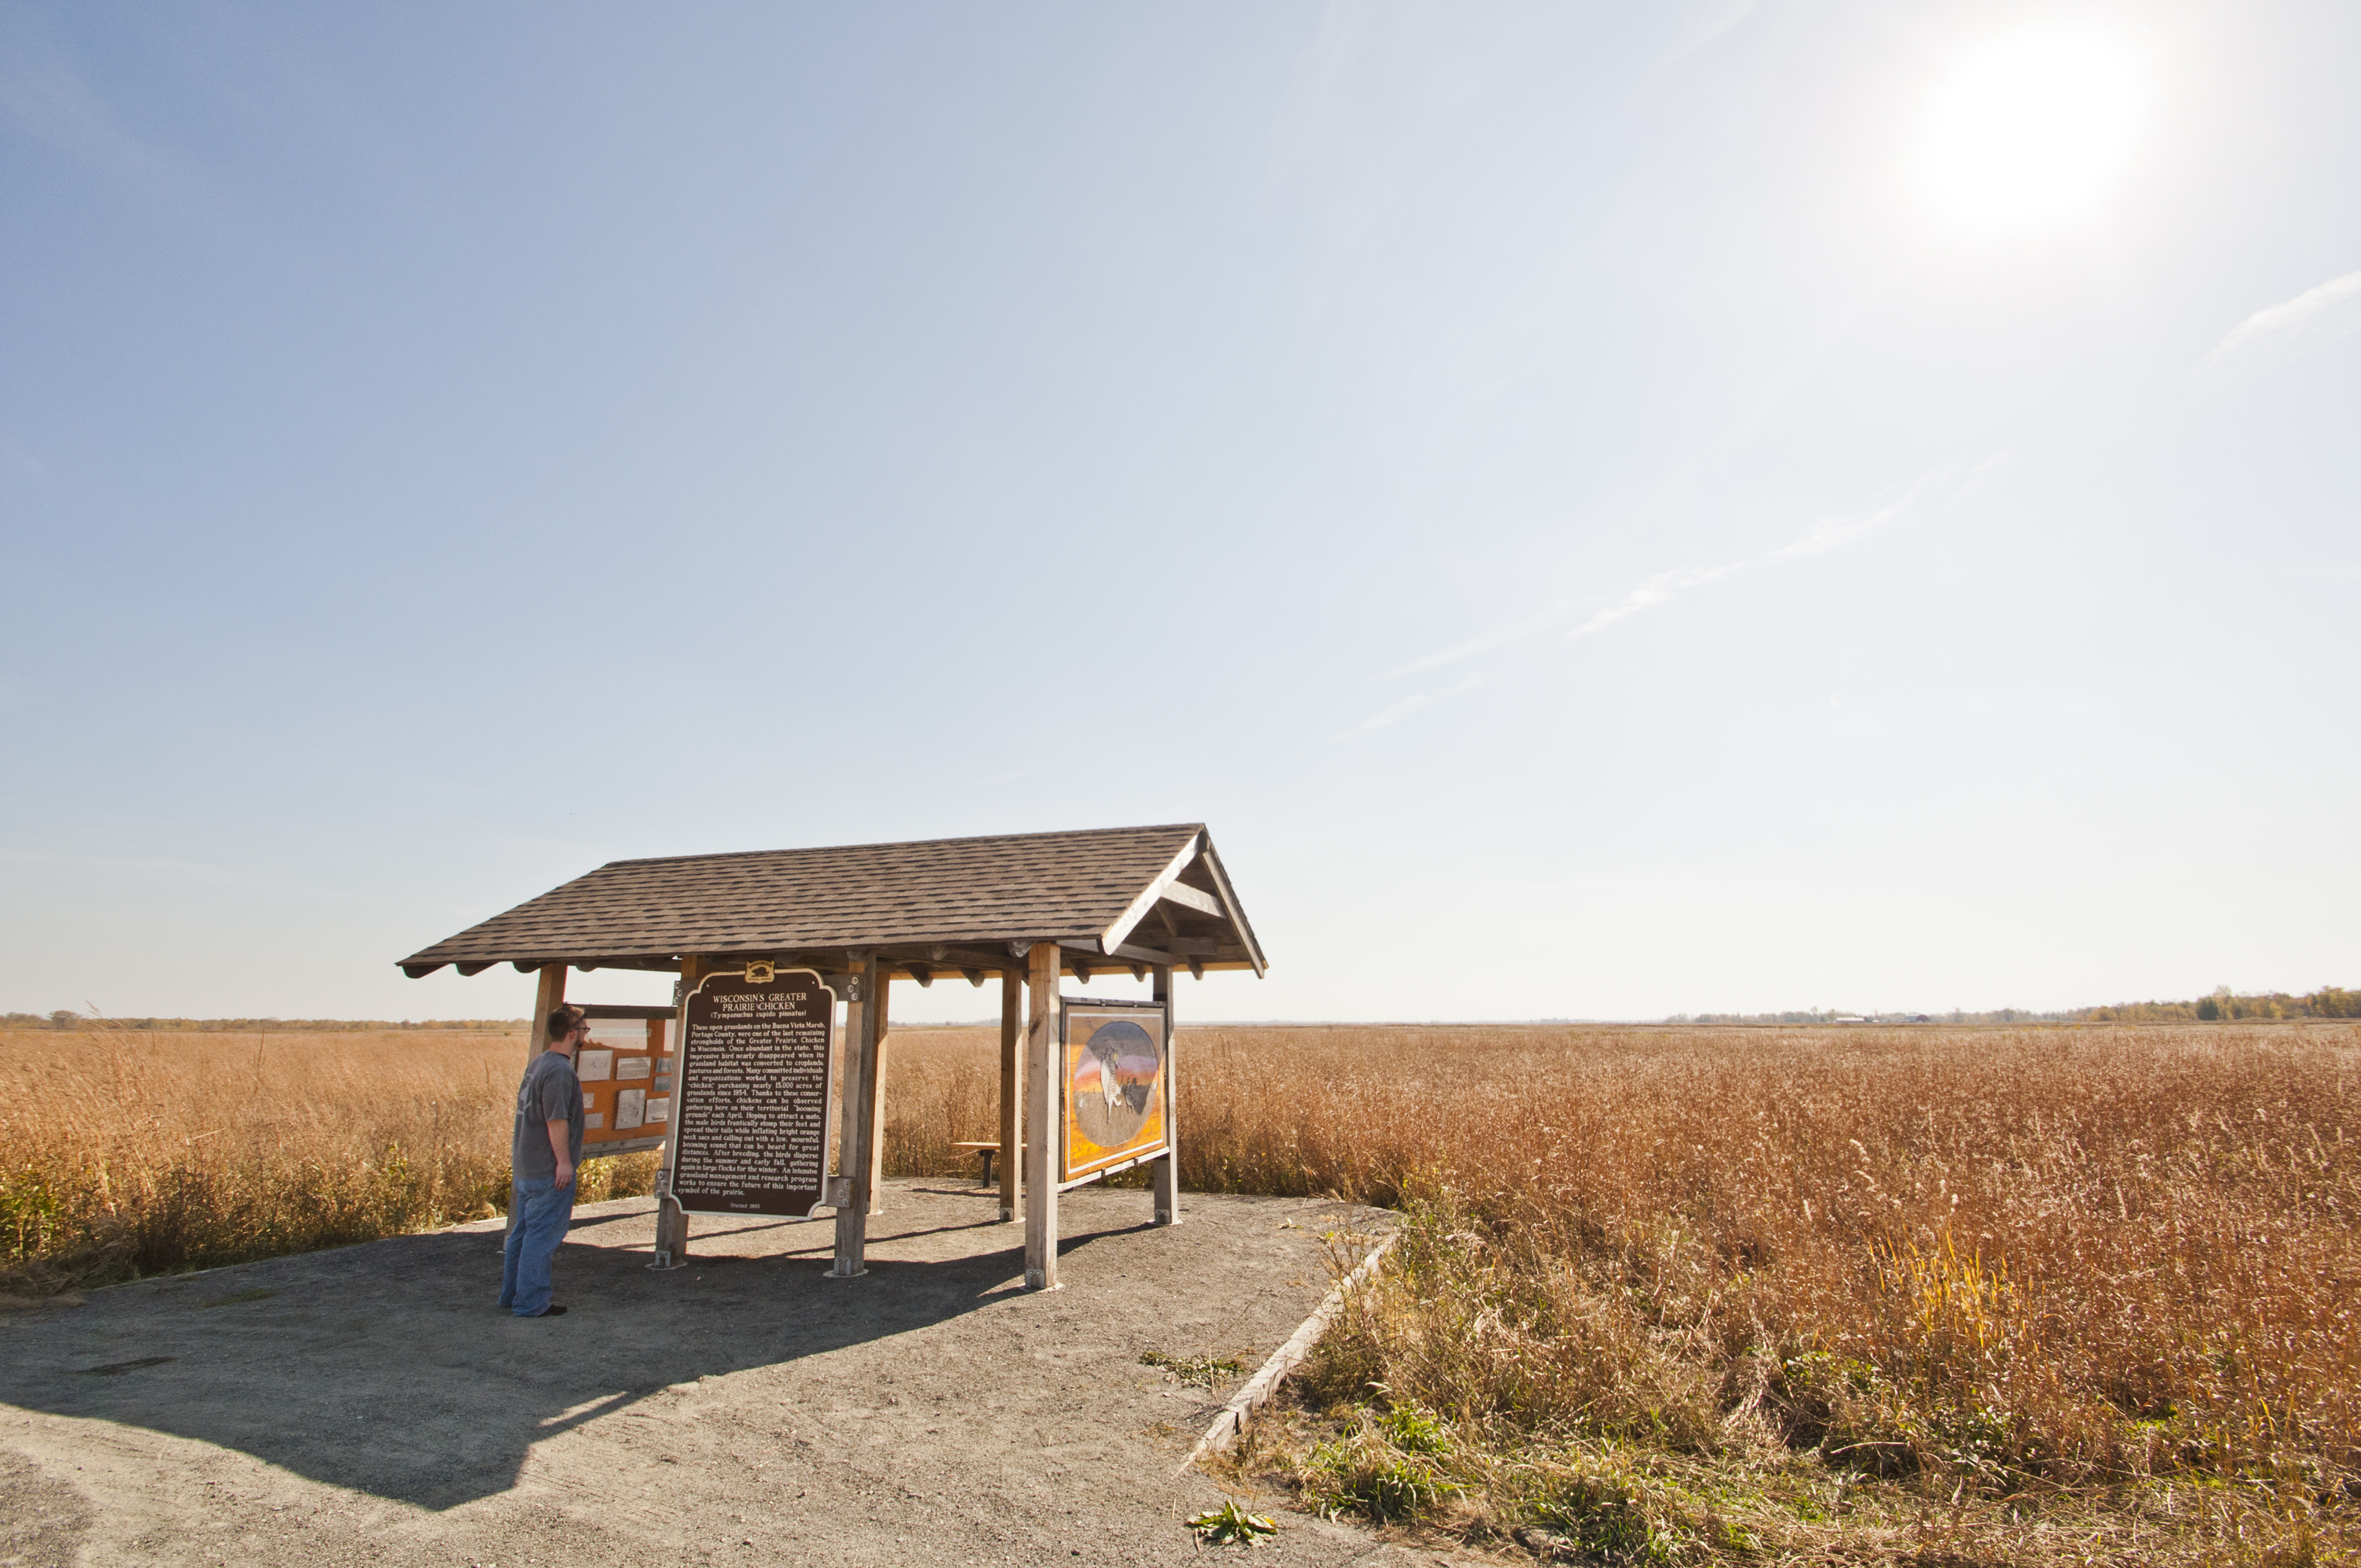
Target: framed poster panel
<point>757,1072</point>
<point>626,1069</point>
<point>1114,1088</point>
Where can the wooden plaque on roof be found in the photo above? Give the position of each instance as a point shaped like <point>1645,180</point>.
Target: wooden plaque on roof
<point>757,1066</point>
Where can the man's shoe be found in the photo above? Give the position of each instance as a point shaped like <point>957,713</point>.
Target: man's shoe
<point>551,1310</point>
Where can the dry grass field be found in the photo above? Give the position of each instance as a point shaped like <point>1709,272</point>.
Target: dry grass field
<point>1948,1295</point>
<point>1952,1295</point>
<point>143,1152</point>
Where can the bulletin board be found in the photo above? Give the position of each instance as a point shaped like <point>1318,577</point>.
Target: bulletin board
<point>626,1066</point>
<point>1116,1086</point>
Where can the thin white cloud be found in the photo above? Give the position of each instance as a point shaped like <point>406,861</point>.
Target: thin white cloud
<point>1937,488</point>
<point>1413,702</point>
<point>1930,492</point>
<point>1662,588</point>
<point>2313,318</point>
<point>1830,532</point>
<point>1515,632</point>
<point>49,101</point>
<point>45,97</point>
<point>1709,25</point>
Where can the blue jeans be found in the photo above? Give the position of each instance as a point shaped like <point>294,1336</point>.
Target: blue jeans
<point>541,1209</point>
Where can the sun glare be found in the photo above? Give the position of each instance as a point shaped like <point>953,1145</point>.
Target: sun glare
<point>2029,128</point>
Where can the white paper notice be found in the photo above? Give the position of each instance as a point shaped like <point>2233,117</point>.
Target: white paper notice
<point>660,1109</point>
<point>594,1120</point>
<point>631,1108</point>
<point>631,1066</point>
<point>591,1067</point>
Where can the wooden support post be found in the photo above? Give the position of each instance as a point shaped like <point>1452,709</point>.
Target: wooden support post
<point>883,1011</point>
<point>1164,1175</point>
<point>1012,1091</point>
<point>860,1120</point>
<point>848,1073</point>
<point>672,1224</point>
<point>1042,1119</point>
<point>548,996</point>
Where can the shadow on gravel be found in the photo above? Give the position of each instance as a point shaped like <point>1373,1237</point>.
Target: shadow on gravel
<point>385,1368</point>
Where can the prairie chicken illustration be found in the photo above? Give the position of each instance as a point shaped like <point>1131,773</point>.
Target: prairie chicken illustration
<point>1111,1088</point>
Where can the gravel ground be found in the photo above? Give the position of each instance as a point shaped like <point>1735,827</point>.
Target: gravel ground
<point>371,1405</point>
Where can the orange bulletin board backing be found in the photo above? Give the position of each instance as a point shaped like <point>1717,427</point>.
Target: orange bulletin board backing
<point>1117,1086</point>
<point>626,1069</point>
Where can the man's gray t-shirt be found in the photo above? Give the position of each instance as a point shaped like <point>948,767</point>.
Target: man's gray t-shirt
<point>550,1092</point>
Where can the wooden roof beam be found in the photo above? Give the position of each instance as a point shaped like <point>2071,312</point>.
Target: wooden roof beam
<point>1230,909</point>
<point>1138,954</point>
<point>1203,947</point>
<point>1160,887</point>
<point>584,964</point>
<point>945,957</point>
<point>1188,897</point>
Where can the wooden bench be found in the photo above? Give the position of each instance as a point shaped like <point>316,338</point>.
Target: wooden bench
<point>986,1151</point>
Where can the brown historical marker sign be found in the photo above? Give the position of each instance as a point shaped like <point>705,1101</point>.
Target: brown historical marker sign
<point>757,1064</point>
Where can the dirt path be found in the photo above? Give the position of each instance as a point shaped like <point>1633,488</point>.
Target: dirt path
<point>371,1405</point>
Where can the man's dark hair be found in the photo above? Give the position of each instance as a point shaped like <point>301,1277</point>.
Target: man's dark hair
<point>561,1021</point>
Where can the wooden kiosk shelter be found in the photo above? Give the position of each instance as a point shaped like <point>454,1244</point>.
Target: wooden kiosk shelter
<point>1028,907</point>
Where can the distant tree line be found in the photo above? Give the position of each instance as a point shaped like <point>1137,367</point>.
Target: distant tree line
<point>2225,1004</point>
<point>1835,1015</point>
<point>2328,1002</point>
<point>65,1018</point>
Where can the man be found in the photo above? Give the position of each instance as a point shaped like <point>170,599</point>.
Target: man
<point>543,1153</point>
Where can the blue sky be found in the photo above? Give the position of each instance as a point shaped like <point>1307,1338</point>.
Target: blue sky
<point>1591,521</point>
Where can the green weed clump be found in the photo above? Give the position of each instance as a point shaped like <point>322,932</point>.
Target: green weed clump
<point>1202,1371</point>
<point>1390,1464</point>
<point>1232,1525</point>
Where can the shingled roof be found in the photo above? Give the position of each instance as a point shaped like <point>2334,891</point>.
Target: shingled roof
<point>1121,895</point>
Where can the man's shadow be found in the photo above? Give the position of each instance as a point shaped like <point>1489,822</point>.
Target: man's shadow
<point>385,1368</point>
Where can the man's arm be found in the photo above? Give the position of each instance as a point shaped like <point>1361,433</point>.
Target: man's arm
<point>560,1143</point>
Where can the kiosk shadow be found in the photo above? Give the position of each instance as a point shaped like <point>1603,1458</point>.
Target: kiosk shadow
<point>385,1368</point>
